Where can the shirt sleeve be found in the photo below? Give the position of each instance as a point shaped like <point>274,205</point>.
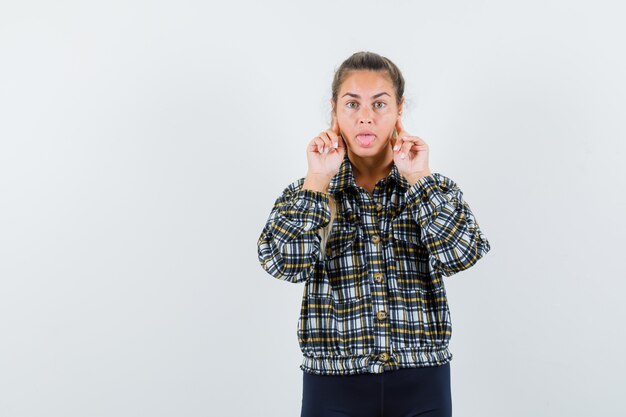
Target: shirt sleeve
<point>448,227</point>
<point>289,244</point>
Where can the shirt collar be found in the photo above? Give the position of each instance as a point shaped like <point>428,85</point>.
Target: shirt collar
<point>344,179</point>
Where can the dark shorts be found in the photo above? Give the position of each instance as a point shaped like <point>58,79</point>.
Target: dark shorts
<point>404,392</point>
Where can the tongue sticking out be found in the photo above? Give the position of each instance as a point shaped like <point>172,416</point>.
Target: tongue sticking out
<point>365,140</point>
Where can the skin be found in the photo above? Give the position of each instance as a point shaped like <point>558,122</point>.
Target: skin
<point>377,113</point>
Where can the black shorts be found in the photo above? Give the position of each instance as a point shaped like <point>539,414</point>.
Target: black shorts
<point>405,392</point>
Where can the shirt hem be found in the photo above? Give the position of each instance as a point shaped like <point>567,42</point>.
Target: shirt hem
<point>360,364</point>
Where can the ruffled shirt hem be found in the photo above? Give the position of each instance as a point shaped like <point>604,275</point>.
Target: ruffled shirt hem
<point>359,364</point>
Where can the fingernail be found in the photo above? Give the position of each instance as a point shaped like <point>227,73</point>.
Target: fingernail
<point>335,144</point>
<point>402,155</point>
<point>395,148</point>
<point>321,150</point>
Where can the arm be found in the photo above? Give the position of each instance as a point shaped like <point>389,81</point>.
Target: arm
<point>289,244</point>
<point>448,227</point>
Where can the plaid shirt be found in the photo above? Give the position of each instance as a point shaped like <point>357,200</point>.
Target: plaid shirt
<point>377,301</point>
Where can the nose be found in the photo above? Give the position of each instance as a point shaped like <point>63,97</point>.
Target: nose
<point>365,115</point>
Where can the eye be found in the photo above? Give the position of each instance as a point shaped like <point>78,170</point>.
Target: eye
<point>382,104</point>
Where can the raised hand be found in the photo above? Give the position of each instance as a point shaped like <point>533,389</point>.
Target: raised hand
<point>410,154</point>
<point>325,152</point>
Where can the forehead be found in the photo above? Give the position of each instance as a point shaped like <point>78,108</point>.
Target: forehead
<point>366,83</point>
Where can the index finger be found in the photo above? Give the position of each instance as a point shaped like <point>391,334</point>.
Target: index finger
<point>335,129</point>
<point>399,127</point>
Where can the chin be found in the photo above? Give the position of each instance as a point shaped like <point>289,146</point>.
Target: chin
<point>361,151</point>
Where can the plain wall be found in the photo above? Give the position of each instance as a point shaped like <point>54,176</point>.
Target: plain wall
<point>143,143</point>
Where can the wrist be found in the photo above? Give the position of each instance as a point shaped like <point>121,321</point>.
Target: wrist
<point>412,179</point>
<point>316,182</point>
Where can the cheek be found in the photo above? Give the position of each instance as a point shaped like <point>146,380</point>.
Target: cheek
<point>348,116</point>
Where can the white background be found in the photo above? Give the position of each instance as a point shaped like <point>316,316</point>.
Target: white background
<point>143,144</point>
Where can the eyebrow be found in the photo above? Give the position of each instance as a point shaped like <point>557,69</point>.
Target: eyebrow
<point>358,96</point>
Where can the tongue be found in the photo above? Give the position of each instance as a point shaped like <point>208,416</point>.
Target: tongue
<point>365,140</point>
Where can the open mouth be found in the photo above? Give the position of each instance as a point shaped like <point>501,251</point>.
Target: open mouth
<point>365,140</point>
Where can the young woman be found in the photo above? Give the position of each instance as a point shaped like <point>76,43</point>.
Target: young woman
<point>371,232</point>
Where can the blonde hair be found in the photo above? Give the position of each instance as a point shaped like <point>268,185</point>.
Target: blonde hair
<point>324,232</point>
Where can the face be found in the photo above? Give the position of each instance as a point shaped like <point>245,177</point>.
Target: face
<point>367,112</point>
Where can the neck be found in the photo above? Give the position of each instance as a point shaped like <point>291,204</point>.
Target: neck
<point>370,169</point>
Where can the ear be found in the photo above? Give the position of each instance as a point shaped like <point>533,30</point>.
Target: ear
<point>401,105</point>
<point>393,138</point>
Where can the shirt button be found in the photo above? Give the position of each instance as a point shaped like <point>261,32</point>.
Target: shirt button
<point>384,357</point>
<point>381,315</point>
<point>378,277</point>
<point>329,251</point>
<point>375,238</point>
<point>379,207</point>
